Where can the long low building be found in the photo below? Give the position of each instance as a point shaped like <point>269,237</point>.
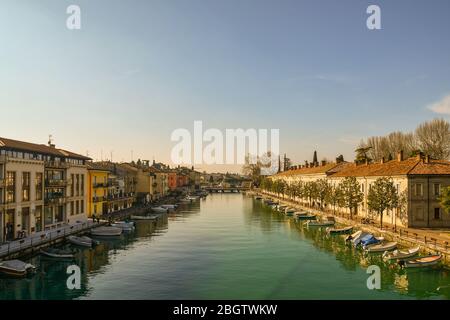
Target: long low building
<point>419,179</point>
<point>41,187</point>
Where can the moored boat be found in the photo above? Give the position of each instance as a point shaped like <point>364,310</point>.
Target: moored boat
<point>340,230</point>
<point>289,211</point>
<point>323,223</point>
<point>169,206</point>
<point>16,268</point>
<point>160,209</point>
<point>57,253</point>
<point>422,262</point>
<point>80,241</point>
<point>150,217</point>
<point>300,213</point>
<point>307,217</point>
<point>381,247</point>
<point>401,254</point>
<point>106,232</point>
<point>125,226</point>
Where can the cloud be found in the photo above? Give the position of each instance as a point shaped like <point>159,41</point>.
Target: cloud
<point>442,106</point>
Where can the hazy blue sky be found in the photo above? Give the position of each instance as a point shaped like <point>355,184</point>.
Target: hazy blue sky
<point>137,70</point>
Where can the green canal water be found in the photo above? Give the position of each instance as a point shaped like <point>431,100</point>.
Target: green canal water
<point>227,246</point>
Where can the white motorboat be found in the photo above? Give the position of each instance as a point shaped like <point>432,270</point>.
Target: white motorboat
<point>58,253</point>
<point>401,254</point>
<point>324,223</point>
<point>16,268</point>
<point>382,247</point>
<point>150,217</point>
<point>106,232</point>
<point>160,209</point>
<point>289,211</point>
<point>125,226</point>
<point>422,262</point>
<point>83,241</point>
<point>169,206</point>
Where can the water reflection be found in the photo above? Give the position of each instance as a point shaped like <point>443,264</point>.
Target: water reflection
<point>417,283</point>
<point>50,280</point>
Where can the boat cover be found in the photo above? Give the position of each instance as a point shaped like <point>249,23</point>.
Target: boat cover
<point>368,240</point>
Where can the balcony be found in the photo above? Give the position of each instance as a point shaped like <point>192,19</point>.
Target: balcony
<point>100,185</point>
<point>2,183</point>
<point>56,183</point>
<point>54,201</point>
<point>56,164</point>
<point>98,199</point>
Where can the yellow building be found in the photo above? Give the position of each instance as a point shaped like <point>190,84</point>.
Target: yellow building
<point>97,189</point>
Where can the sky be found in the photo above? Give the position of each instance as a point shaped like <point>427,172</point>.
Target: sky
<point>139,69</point>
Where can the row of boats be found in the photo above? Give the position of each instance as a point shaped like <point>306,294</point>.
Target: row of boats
<point>18,268</point>
<point>368,242</point>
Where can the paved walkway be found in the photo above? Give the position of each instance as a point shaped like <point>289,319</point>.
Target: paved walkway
<point>43,237</point>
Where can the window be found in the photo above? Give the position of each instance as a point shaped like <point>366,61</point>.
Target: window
<point>437,213</point>
<point>72,188</point>
<point>10,187</point>
<point>437,189</point>
<point>82,206</point>
<point>78,207</point>
<point>72,211</point>
<point>418,190</point>
<point>38,218</point>
<point>77,184</point>
<point>362,188</point>
<point>82,184</point>
<point>25,186</point>
<point>39,185</point>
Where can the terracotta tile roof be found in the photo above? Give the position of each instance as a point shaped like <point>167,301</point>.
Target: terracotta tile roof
<point>38,148</point>
<point>438,167</point>
<point>410,166</point>
<point>313,170</point>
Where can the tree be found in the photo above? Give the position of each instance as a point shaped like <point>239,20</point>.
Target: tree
<point>382,196</point>
<point>334,197</point>
<point>322,190</point>
<point>362,153</point>
<point>310,191</point>
<point>445,199</point>
<point>315,157</point>
<point>433,138</point>
<point>351,193</point>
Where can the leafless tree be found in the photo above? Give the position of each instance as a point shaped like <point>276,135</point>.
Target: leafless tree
<point>433,138</point>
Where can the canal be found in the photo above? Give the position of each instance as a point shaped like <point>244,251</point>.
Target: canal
<point>227,246</point>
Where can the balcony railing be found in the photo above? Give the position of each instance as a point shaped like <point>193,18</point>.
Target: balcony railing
<point>56,182</point>
<point>100,185</point>
<point>56,164</point>
<point>98,199</point>
<point>54,201</point>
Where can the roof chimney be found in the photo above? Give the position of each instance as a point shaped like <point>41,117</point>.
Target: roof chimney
<point>400,155</point>
<point>323,162</point>
<point>383,160</point>
<point>427,158</point>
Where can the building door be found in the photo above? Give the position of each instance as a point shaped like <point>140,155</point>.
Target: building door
<point>26,220</point>
<point>10,224</point>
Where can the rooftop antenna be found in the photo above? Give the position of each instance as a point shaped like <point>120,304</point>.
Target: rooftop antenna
<point>101,155</point>
<point>131,155</point>
<point>111,152</point>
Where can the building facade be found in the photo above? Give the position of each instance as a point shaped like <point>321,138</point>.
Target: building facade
<point>41,187</point>
<point>419,180</point>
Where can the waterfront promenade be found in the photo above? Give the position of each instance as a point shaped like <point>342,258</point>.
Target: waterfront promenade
<point>41,239</point>
<point>436,240</point>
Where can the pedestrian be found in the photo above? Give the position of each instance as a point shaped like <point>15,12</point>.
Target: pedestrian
<point>94,217</point>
